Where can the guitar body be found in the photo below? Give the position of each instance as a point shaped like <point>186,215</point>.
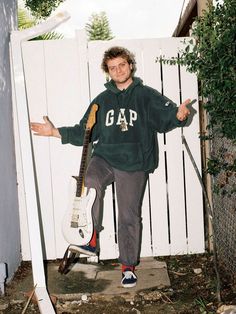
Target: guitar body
<point>77,225</point>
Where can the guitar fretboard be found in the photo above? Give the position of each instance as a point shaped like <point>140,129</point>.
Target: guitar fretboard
<point>83,163</point>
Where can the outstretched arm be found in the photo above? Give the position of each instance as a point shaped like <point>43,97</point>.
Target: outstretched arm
<point>183,112</point>
<point>45,129</point>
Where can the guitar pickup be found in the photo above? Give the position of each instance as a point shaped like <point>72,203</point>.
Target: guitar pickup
<point>74,224</point>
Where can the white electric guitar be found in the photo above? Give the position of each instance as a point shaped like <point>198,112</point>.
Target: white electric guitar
<point>77,225</point>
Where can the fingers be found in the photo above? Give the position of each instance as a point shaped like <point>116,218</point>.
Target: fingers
<point>180,118</point>
<point>48,121</point>
<point>38,124</point>
<point>44,129</point>
<point>45,118</point>
<point>39,128</point>
<point>186,102</point>
<point>183,107</point>
<point>36,127</point>
<point>183,111</point>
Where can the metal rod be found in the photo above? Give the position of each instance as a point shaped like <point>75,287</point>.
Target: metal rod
<point>210,214</point>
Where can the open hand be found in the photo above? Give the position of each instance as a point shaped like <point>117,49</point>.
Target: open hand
<point>183,112</point>
<point>44,129</point>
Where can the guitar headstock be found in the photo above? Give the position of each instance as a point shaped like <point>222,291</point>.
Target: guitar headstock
<point>92,117</point>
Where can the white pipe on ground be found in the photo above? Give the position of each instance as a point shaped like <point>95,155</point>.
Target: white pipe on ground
<point>3,276</point>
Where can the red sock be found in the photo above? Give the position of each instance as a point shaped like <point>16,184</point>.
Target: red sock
<point>125,267</point>
<point>93,241</point>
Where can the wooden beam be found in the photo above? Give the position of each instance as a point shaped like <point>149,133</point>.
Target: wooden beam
<point>26,151</point>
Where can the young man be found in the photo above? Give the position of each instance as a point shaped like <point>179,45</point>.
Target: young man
<point>128,118</point>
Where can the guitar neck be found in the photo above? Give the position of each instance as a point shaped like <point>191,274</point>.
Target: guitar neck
<point>90,123</point>
<point>83,164</point>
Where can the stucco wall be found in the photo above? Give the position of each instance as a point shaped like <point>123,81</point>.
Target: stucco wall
<point>9,212</point>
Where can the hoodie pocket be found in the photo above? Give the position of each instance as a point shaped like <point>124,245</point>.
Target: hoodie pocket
<point>124,156</point>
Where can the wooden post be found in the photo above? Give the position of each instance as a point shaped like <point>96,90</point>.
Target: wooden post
<point>27,159</point>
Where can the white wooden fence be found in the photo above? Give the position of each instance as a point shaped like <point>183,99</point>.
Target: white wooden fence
<point>62,76</point>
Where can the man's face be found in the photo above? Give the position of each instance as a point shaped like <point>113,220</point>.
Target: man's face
<point>119,70</point>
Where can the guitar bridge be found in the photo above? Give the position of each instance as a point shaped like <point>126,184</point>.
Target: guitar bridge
<point>74,224</point>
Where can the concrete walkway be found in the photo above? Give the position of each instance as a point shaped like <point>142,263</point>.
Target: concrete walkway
<point>98,280</point>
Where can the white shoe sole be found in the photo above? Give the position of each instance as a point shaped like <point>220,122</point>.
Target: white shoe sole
<point>129,285</point>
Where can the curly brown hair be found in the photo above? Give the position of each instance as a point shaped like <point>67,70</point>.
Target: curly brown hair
<point>115,52</point>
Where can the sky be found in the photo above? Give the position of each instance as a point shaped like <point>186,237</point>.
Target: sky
<point>127,18</point>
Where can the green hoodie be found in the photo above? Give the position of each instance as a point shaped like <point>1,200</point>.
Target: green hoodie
<point>142,111</point>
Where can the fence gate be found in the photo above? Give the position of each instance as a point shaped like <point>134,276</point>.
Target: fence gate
<point>62,77</point>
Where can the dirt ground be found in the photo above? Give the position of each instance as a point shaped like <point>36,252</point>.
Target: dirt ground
<point>193,290</point>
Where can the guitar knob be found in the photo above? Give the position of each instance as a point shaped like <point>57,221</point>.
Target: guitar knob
<point>81,233</point>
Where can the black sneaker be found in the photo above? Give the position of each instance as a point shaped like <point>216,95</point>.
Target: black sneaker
<point>85,249</point>
<point>129,279</point>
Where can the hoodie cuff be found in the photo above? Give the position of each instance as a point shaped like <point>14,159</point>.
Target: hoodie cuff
<point>64,135</point>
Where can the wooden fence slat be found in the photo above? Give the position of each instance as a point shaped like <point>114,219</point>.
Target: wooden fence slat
<point>146,244</point>
<point>108,246</point>
<point>158,192</point>
<point>158,199</point>
<point>33,53</point>
<point>64,108</point>
<point>194,198</point>
<point>174,158</point>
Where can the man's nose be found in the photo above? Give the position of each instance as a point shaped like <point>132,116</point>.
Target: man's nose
<point>118,69</point>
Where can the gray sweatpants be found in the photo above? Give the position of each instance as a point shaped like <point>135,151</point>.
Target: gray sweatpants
<point>130,188</point>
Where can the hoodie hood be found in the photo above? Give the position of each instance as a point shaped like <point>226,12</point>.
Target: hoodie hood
<point>112,86</point>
